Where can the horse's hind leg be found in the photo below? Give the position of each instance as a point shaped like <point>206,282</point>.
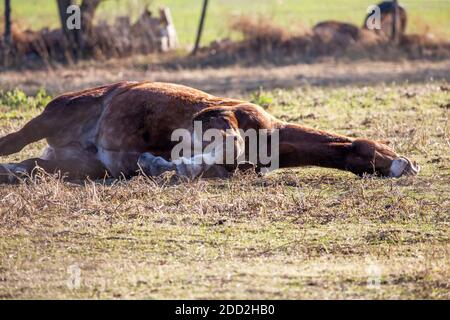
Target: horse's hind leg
<point>11,172</point>
<point>35,130</point>
<point>72,168</point>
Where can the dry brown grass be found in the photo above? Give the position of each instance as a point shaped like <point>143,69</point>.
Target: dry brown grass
<point>47,47</point>
<point>259,28</point>
<point>306,233</point>
<point>262,41</point>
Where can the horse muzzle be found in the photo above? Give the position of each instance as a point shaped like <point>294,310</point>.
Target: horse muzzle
<point>403,166</point>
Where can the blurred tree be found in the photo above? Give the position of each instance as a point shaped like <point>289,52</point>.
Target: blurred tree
<point>8,37</point>
<point>79,40</point>
<point>88,8</point>
<point>73,39</point>
<point>395,19</point>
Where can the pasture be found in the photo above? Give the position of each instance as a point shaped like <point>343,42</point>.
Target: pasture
<point>294,15</point>
<point>300,233</point>
<point>304,233</point>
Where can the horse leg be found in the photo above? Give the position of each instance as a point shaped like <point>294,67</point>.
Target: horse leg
<point>76,166</point>
<point>35,130</point>
<point>208,164</point>
<point>154,166</point>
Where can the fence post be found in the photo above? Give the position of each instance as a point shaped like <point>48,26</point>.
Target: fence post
<point>395,19</point>
<point>8,37</point>
<point>200,27</point>
<point>169,29</point>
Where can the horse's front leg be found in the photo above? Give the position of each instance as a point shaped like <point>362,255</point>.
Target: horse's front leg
<point>213,162</point>
<point>191,168</point>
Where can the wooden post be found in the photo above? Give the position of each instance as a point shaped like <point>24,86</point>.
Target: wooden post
<point>169,29</point>
<point>200,27</point>
<point>8,37</point>
<point>395,20</point>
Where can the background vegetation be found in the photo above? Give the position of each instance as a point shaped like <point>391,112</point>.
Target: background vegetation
<point>424,15</point>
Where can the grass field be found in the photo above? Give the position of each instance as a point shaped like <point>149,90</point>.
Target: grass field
<point>424,15</point>
<point>304,233</point>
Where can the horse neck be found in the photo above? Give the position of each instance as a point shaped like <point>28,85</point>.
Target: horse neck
<point>302,146</point>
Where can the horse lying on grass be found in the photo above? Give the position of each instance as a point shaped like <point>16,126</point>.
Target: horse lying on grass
<point>126,128</point>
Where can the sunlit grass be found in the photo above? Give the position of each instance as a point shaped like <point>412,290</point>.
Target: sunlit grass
<point>424,15</point>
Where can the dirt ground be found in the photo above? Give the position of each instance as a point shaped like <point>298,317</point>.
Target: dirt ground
<point>229,80</point>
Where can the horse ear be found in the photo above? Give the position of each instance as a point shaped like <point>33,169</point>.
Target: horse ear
<point>386,142</point>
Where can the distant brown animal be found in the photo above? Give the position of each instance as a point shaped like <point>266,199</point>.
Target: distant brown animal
<point>121,128</point>
<point>341,34</point>
<point>387,12</point>
<point>337,34</point>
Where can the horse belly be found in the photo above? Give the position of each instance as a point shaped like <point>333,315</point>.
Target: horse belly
<point>119,163</point>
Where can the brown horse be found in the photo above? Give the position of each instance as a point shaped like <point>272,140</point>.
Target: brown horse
<point>120,129</point>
